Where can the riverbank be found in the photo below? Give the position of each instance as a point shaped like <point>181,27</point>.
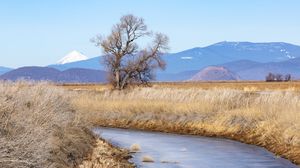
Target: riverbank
<point>39,128</point>
<point>105,155</point>
<point>269,120</point>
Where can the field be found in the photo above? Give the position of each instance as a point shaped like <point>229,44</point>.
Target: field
<point>39,128</point>
<point>243,85</point>
<point>43,124</point>
<point>264,114</point>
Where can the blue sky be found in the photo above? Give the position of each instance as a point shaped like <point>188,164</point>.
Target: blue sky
<point>40,32</point>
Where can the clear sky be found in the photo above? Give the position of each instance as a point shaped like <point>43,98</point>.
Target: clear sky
<point>40,32</point>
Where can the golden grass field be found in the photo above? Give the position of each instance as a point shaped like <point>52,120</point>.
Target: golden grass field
<point>39,128</point>
<point>243,85</point>
<point>43,125</point>
<point>264,114</point>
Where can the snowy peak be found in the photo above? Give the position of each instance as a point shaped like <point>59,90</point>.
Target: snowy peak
<point>72,57</point>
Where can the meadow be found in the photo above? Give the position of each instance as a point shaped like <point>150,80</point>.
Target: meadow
<point>236,85</point>
<point>48,125</point>
<point>263,114</point>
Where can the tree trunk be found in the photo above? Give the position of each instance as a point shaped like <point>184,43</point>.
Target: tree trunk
<point>118,86</point>
<point>124,81</point>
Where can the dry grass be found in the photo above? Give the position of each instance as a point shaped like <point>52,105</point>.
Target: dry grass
<point>39,128</point>
<point>107,156</point>
<point>237,85</point>
<point>270,119</point>
<point>45,126</point>
<point>83,87</point>
<point>250,86</point>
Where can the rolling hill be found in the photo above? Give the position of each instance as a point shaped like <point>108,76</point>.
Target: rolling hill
<point>215,73</point>
<point>74,75</point>
<point>4,70</point>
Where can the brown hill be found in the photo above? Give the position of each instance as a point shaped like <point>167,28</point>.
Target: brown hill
<point>214,73</point>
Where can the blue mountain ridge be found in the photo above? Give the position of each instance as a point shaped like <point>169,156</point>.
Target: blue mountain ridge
<point>250,61</point>
<point>72,75</point>
<point>4,70</point>
<point>219,53</point>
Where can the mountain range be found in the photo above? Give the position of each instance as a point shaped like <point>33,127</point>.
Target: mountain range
<point>73,75</point>
<point>245,60</point>
<point>4,70</point>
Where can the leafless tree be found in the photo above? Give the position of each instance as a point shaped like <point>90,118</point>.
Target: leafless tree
<point>279,77</point>
<point>288,77</point>
<point>124,60</point>
<point>270,77</point>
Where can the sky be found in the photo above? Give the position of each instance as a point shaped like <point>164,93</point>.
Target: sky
<point>40,32</point>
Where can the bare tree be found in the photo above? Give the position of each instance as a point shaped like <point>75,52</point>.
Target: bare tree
<point>279,77</point>
<point>288,77</point>
<point>124,60</point>
<point>270,77</point>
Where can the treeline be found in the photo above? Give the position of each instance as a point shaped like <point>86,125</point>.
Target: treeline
<point>271,77</point>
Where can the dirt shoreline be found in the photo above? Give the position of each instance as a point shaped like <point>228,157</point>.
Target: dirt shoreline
<point>105,155</point>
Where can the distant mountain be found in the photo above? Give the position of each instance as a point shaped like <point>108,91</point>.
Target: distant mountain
<point>4,70</point>
<point>73,56</point>
<point>223,52</point>
<point>214,73</point>
<point>31,73</point>
<point>92,63</point>
<point>248,61</point>
<point>80,75</point>
<point>77,75</point>
<point>250,70</point>
<point>240,65</point>
<point>175,77</point>
<point>216,54</point>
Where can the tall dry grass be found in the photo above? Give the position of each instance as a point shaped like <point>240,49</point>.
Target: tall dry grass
<point>249,86</point>
<point>268,119</point>
<point>38,127</point>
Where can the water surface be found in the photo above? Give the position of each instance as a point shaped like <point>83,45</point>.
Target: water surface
<point>187,151</point>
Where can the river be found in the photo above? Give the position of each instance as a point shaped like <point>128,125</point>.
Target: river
<point>188,151</point>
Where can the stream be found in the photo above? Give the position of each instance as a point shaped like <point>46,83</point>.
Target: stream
<point>188,151</point>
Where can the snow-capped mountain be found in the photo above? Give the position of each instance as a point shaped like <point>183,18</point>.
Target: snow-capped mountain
<point>73,56</point>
